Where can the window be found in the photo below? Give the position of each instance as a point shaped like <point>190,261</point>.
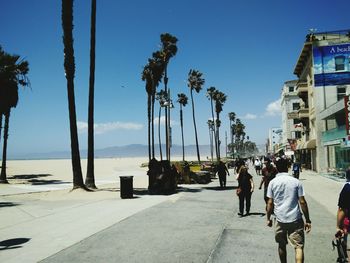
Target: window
<point>297,134</point>
<point>341,92</point>
<point>296,106</point>
<point>339,63</point>
<point>296,121</point>
<point>291,89</point>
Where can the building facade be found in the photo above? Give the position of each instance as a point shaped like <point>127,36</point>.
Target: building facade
<point>323,71</point>
<point>290,103</point>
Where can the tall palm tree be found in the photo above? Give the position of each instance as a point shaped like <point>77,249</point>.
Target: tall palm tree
<point>219,98</point>
<point>239,135</point>
<point>147,77</point>
<point>69,67</point>
<point>232,118</point>
<point>195,82</point>
<point>211,131</point>
<point>169,49</point>
<point>90,174</point>
<point>152,74</point>
<point>210,94</point>
<point>13,73</point>
<point>162,98</point>
<point>182,99</point>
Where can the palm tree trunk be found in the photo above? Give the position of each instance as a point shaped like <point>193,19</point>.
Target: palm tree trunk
<point>195,127</point>
<point>149,102</point>
<point>159,138</point>
<point>90,174</point>
<point>0,125</point>
<point>218,137</point>
<point>69,66</point>
<point>214,128</point>
<point>166,112</point>
<point>3,177</point>
<point>152,120</point>
<point>182,133</point>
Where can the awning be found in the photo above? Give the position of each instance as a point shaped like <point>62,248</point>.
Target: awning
<point>311,144</point>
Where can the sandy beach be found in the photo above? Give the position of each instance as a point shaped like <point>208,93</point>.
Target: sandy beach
<point>49,175</point>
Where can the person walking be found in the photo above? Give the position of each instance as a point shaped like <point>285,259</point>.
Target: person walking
<point>268,173</point>
<point>222,171</point>
<point>286,197</point>
<point>257,165</point>
<point>343,214</point>
<point>296,169</point>
<point>246,184</point>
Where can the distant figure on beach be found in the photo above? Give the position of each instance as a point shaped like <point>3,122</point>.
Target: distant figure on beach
<point>246,184</point>
<point>222,172</point>
<point>343,214</point>
<point>268,173</point>
<point>286,198</point>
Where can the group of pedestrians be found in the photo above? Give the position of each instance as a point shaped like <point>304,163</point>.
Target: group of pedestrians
<point>285,200</point>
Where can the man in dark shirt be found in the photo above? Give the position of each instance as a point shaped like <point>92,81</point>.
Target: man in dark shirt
<point>344,211</point>
<point>268,172</point>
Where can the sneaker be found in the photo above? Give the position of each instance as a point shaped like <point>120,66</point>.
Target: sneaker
<point>240,214</point>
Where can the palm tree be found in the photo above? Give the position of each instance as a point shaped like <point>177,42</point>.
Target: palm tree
<point>210,94</point>
<point>182,99</point>
<point>169,49</point>
<point>211,127</point>
<point>152,74</point>
<point>239,135</point>
<point>232,118</point>
<point>195,82</point>
<point>147,77</point>
<point>90,174</point>
<point>13,72</point>
<point>219,98</point>
<point>69,67</point>
<point>162,98</point>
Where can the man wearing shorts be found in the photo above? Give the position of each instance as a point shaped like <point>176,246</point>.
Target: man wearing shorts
<point>285,194</point>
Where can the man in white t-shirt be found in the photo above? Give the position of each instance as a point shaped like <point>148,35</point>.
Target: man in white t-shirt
<point>285,198</point>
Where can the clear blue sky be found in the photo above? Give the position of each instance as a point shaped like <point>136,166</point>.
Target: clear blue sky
<point>247,49</point>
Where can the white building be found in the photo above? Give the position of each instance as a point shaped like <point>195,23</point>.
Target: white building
<point>291,126</point>
<point>275,139</point>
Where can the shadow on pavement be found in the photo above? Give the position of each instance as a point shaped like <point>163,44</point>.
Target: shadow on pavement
<point>257,214</point>
<point>13,243</point>
<point>218,188</point>
<point>7,204</point>
<point>34,179</point>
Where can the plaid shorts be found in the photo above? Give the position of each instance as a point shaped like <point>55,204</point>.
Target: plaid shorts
<point>294,232</point>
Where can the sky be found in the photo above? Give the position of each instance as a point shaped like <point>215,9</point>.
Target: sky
<point>246,49</point>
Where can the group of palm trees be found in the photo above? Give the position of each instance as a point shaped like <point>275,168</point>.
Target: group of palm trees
<point>154,72</point>
<point>14,70</point>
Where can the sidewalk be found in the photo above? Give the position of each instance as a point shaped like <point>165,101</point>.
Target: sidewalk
<point>198,224</point>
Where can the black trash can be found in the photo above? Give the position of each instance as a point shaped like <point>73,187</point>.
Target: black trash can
<point>126,187</point>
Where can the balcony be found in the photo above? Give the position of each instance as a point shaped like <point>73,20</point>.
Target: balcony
<point>302,88</point>
<point>303,113</point>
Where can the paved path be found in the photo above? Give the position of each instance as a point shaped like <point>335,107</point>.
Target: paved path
<point>198,224</point>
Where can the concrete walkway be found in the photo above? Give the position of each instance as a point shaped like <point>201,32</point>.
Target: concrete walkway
<point>197,224</point>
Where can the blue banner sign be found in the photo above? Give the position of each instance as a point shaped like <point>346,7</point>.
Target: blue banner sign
<point>331,65</point>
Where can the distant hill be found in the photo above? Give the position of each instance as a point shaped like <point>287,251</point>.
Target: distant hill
<point>132,150</point>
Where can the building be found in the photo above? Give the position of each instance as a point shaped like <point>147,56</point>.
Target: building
<point>323,71</point>
<point>275,139</point>
<point>291,125</point>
